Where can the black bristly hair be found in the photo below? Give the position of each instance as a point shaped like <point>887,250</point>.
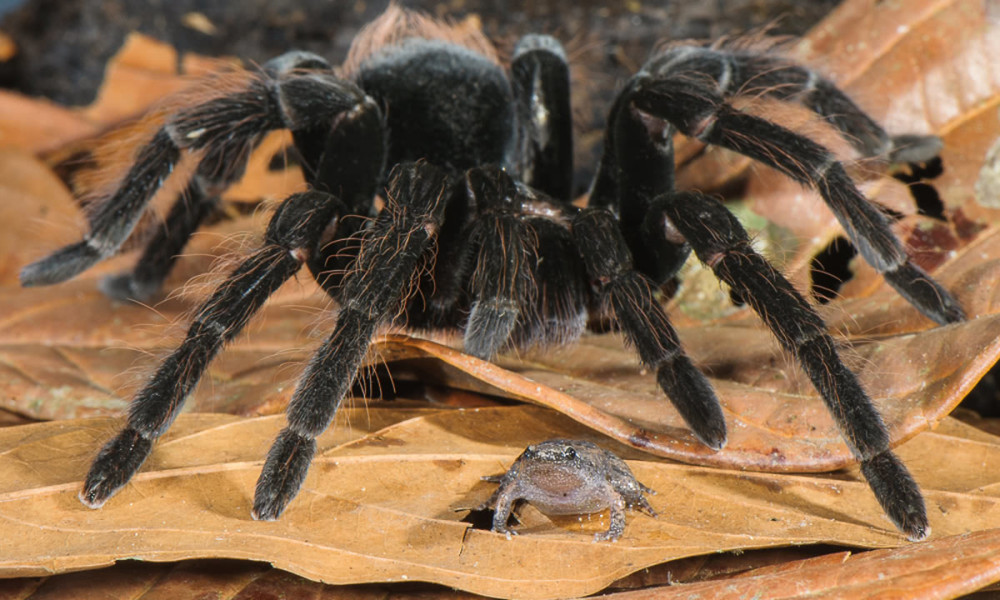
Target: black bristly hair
<point>478,233</point>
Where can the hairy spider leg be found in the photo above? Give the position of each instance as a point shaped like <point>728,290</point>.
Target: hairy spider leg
<point>732,72</point>
<point>720,242</point>
<point>631,297</point>
<point>188,212</point>
<point>559,313</point>
<point>636,166</point>
<point>700,112</point>
<point>291,236</point>
<point>539,73</point>
<point>392,252</point>
<point>214,174</point>
<point>300,225</point>
<point>218,169</point>
<point>225,129</point>
<point>502,281</point>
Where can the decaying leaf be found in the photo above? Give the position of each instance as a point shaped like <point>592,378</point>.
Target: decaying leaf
<point>385,498</point>
<point>945,568</point>
<point>383,502</point>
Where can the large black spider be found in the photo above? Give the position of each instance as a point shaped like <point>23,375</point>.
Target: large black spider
<point>478,232</point>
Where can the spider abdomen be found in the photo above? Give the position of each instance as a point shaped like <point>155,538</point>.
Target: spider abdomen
<point>443,103</point>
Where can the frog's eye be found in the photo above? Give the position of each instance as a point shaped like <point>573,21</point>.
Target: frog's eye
<point>569,453</point>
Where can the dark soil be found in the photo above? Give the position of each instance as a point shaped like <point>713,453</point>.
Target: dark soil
<point>63,45</point>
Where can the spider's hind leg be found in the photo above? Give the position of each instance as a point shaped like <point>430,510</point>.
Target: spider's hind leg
<point>223,130</point>
<point>190,209</point>
<point>721,243</point>
<point>747,73</point>
<point>699,111</point>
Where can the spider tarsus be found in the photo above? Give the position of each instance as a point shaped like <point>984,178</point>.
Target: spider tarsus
<point>115,464</point>
<point>125,286</point>
<point>898,494</point>
<point>926,294</point>
<point>490,325</point>
<point>695,400</point>
<point>62,265</point>
<point>283,473</point>
<point>915,148</point>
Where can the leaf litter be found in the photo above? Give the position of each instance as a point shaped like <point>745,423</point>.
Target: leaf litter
<point>381,504</point>
<point>384,499</point>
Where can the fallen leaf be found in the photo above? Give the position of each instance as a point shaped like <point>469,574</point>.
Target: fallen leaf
<point>421,467</point>
<point>39,125</point>
<point>945,568</point>
<point>380,503</point>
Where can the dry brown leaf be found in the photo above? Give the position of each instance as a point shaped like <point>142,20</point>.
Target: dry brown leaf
<point>68,351</point>
<point>214,579</point>
<point>38,125</point>
<point>382,502</point>
<point>945,568</point>
<point>968,569</point>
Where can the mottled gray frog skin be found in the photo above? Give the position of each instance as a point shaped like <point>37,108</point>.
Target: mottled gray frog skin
<point>569,477</point>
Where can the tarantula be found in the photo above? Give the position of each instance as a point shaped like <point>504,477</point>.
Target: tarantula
<point>478,232</point>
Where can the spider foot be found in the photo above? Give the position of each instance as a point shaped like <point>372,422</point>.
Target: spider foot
<point>125,286</point>
<point>694,399</point>
<point>283,474</point>
<point>490,325</point>
<point>898,494</point>
<point>63,264</point>
<point>927,295</point>
<point>116,463</point>
<point>910,148</point>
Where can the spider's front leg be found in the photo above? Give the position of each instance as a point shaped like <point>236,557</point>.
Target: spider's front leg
<point>502,283</point>
<point>539,73</point>
<point>296,232</point>
<point>392,253</point>
<point>630,295</point>
<point>291,237</point>
<point>721,243</point>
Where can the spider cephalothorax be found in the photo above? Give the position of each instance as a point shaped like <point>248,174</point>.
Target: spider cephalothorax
<point>478,232</point>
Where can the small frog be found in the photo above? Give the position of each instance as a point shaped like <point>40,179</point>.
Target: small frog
<point>568,477</point>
